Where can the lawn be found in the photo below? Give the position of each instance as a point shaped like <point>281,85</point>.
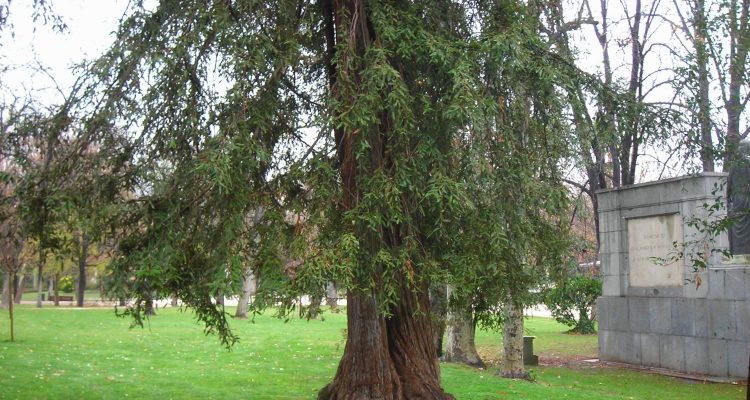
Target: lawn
<point>89,354</point>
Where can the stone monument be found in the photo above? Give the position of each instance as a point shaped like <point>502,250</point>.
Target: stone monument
<point>656,309</point>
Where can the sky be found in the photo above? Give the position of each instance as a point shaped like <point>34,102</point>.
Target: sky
<point>24,44</point>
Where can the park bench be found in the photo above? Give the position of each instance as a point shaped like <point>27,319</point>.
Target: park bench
<point>61,298</point>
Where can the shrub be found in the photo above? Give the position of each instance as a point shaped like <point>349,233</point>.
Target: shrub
<point>579,294</point>
<point>65,284</point>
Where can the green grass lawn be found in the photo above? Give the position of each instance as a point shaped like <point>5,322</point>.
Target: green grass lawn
<point>90,354</point>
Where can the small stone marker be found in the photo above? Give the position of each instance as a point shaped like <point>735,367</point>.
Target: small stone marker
<point>528,351</point>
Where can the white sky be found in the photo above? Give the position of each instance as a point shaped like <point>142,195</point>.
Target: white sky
<point>25,44</point>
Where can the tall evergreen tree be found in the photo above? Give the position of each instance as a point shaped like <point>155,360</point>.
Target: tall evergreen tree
<point>390,145</point>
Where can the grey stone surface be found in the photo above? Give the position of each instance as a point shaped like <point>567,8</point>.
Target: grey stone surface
<point>742,312</point>
<point>717,357</point>
<point>683,313</point>
<point>612,285</point>
<point>696,354</point>
<point>716,284</point>
<point>735,284</point>
<point>639,314</point>
<point>700,329</point>
<point>650,349</point>
<point>737,356</point>
<point>694,290</point>
<point>672,352</point>
<point>660,315</point>
<point>722,323</point>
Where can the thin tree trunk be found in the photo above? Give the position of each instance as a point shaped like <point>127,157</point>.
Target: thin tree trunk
<point>174,302</point>
<point>332,297</point>
<point>703,99</point>
<point>10,313</point>
<point>19,288</point>
<point>439,310</point>
<point>6,290</point>
<point>149,307</point>
<point>83,253</point>
<point>248,290</point>
<point>460,345</point>
<point>57,289</point>
<point>40,271</point>
<point>512,360</point>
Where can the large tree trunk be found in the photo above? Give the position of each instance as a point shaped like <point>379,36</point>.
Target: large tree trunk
<point>248,290</point>
<point>512,360</point>
<point>384,358</point>
<point>83,253</point>
<point>439,310</point>
<point>387,358</point>
<point>460,345</point>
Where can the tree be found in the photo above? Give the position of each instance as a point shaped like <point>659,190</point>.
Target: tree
<point>388,129</point>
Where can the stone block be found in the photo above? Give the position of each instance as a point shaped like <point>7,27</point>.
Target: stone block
<point>660,315</point>
<point>737,357</point>
<point>610,263</point>
<point>716,284</point>
<point>610,221</point>
<point>612,313</point>
<point>696,355</point>
<point>722,319</point>
<point>638,314</point>
<point>696,286</point>
<point>650,349</point>
<point>672,352</point>
<point>618,313</point>
<point>629,347</point>
<point>717,357</point>
<point>608,201</point>
<point>735,284</point>
<point>701,318</point>
<point>606,344</point>
<point>612,285</point>
<point>683,314</point>
<point>742,310</point>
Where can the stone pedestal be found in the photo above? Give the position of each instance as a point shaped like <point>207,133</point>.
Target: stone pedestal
<point>657,309</point>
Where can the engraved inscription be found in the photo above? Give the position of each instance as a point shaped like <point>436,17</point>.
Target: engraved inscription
<point>654,237</point>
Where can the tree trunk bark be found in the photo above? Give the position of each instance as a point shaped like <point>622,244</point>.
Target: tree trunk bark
<point>11,316</point>
<point>57,289</point>
<point>83,253</point>
<point>248,290</point>
<point>39,277</point>
<point>6,290</point>
<point>512,360</point>
<point>314,308</point>
<point>439,310</point>
<point>19,288</point>
<point>460,346</point>
<point>387,358</point>
<point>149,307</point>
<point>332,297</point>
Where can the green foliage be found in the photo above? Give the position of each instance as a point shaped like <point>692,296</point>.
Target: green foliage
<point>65,284</point>
<point>575,294</point>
